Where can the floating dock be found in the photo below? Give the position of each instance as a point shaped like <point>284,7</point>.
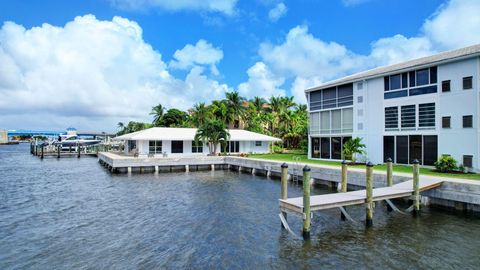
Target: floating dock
<point>327,201</point>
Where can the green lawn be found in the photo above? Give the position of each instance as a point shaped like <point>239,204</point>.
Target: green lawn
<point>289,157</point>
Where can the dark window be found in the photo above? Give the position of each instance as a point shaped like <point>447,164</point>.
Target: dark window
<point>404,80</point>
<point>345,95</point>
<point>154,147</point>
<point>132,145</point>
<point>316,100</point>
<point>402,93</point>
<point>433,75</point>
<point>388,148</point>
<point>467,83</point>
<point>329,98</point>
<point>408,117</point>
<point>197,147</point>
<point>423,90</point>
<point>234,146</point>
<point>446,86</point>
<point>386,83</point>
<point>325,147</point>
<point>315,147</point>
<point>426,115</point>
<point>258,143</point>
<point>177,146</point>
<point>468,161</point>
<point>415,147</point>
<point>430,149</point>
<point>422,77</point>
<point>391,118</point>
<point>402,149</point>
<point>395,82</point>
<point>467,121</point>
<point>446,122</point>
<point>411,75</point>
<point>336,147</point>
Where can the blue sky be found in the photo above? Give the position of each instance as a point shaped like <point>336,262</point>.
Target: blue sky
<point>106,61</point>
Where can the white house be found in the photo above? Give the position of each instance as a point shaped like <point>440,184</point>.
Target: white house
<point>418,109</point>
<point>162,141</point>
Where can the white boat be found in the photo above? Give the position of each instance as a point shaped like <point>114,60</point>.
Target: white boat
<point>66,141</point>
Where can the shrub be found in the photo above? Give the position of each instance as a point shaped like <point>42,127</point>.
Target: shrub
<point>277,149</point>
<point>446,164</point>
<point>461,168</point>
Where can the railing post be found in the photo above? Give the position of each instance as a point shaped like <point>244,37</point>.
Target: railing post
<point>369,190</point>
<point>284,186</point>
<point>306,203</point>
<point>416,188</point>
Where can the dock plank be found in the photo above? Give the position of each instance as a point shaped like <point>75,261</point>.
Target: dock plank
<point>326,201</point>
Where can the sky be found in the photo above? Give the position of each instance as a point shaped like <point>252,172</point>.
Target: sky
<point>90,64</point>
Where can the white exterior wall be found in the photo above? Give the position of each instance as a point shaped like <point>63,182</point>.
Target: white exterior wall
<point>369,115</point>
<point>249,147</point>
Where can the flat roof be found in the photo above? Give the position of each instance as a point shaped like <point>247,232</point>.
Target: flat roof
<point>444,57</point>
<point>188,134</point>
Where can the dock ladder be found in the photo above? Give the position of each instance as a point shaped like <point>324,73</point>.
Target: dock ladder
<point>295,169</point>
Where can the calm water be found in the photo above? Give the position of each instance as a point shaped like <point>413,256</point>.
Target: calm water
<point>71,213</point>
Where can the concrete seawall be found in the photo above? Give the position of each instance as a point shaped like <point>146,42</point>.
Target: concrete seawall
<point>458,194</point>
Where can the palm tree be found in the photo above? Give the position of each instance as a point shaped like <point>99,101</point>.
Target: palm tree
<point>258,103</point>
<point>121,128</point>
<point>235,104</point>
<point>353,147</point>
<point>200,114</point>
<point>212,133</point>
<point>157,112</point>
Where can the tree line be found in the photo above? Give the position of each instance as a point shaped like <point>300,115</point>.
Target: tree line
<point>277,116</point>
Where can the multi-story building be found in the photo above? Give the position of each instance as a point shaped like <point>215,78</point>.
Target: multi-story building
<point>419,109</point>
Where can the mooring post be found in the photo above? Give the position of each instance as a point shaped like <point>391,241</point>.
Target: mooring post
<point>389,179</point>
<point>306,203</point>
<point>416,187</point>
<point>58,151</point>
<point>42,151</point>
<point>284,186</point>
<point>78,150</point>
<point>344,183</point>
<point>369,190</point>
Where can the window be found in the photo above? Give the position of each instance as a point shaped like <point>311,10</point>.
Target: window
<point>391,118</point>
<point>411,74</point>
<point>467,121</point>
<point>258,143</point>
<point>404,80</point>
<point>422,77</point>
<point>388,148</point>
<point>154,147</point>
<point>468,161</point>
<point>467,83</point>
<point>325,147</point>
<point>345,95</point>
<point>336,121</point>
<point>446,122</point>
<point>329,98</point>
<point>402,150</point>
<point>336,147</point>
<point>325,122</point>
<point>360,86</point>
<point>430,149</point>
<point>234,146</point>
<point>316,100</point>
<point>395,82</point>
<point>433,75</point>
<point>315,147</point>
<point>426,115</point>
<point>415,148</point>
<point>408,117</point>
<point>197,147</point>
<point>332,97</point>
<point>360,99</point>
<point>386,82</point>
<point>132,145</point>
<point>177,147</point>
<point>446,86</point>
<point>315,123</point>
<point>347,120</point>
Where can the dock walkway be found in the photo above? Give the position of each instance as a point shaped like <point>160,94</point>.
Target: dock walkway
<point>326,201</point>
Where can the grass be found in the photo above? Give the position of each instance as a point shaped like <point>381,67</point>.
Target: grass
<point>288,157</point>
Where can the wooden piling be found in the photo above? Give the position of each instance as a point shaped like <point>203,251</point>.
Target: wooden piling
<point>389,179</point>
<point>58,151</point>
<point>306,203</point>
<point>284,186</point>
<point>42,152</point>
<point>78,150</point>
<point>416,188</point>
<point>369,190</point>
<point>344,183</point>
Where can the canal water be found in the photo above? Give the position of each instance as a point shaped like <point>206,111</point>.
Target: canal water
<point>73,214</point>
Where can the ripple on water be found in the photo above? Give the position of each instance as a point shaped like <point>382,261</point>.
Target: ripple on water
<point>71,213</point>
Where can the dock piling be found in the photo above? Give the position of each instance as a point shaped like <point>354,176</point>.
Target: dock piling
<point>78,150</point>
<point>369,191</point>
<point>58,151</point>
<point>306,203</point>
<point>416,187</point>
<point>344,183</point>
<point>389,179</point>
<point>284,186</point>
<point>42,152</point>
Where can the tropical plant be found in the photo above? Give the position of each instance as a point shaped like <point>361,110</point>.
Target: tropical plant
<point>445,164</point>
<point>157,112</point>
<point>173,118</point>
<point>212,133</point>
<point>352,148</point>
<point>200,114</point>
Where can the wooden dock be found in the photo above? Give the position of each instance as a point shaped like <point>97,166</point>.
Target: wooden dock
<point>326,201</point>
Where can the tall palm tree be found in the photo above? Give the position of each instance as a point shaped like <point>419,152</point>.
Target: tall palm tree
<point>235,104</point>
<point>200,114</point>
<point>258,103</point>
<point>212,133</point>
<point>157,111</point>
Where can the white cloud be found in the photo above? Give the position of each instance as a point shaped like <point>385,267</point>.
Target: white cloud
<point>202,53</point>
<point>351,3</point>
<point>261,82</point>
<point>223,6</point>
<point>102,71</point>
<point>387,51</point>
<point>277,12</point>
<point>455,24</point>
